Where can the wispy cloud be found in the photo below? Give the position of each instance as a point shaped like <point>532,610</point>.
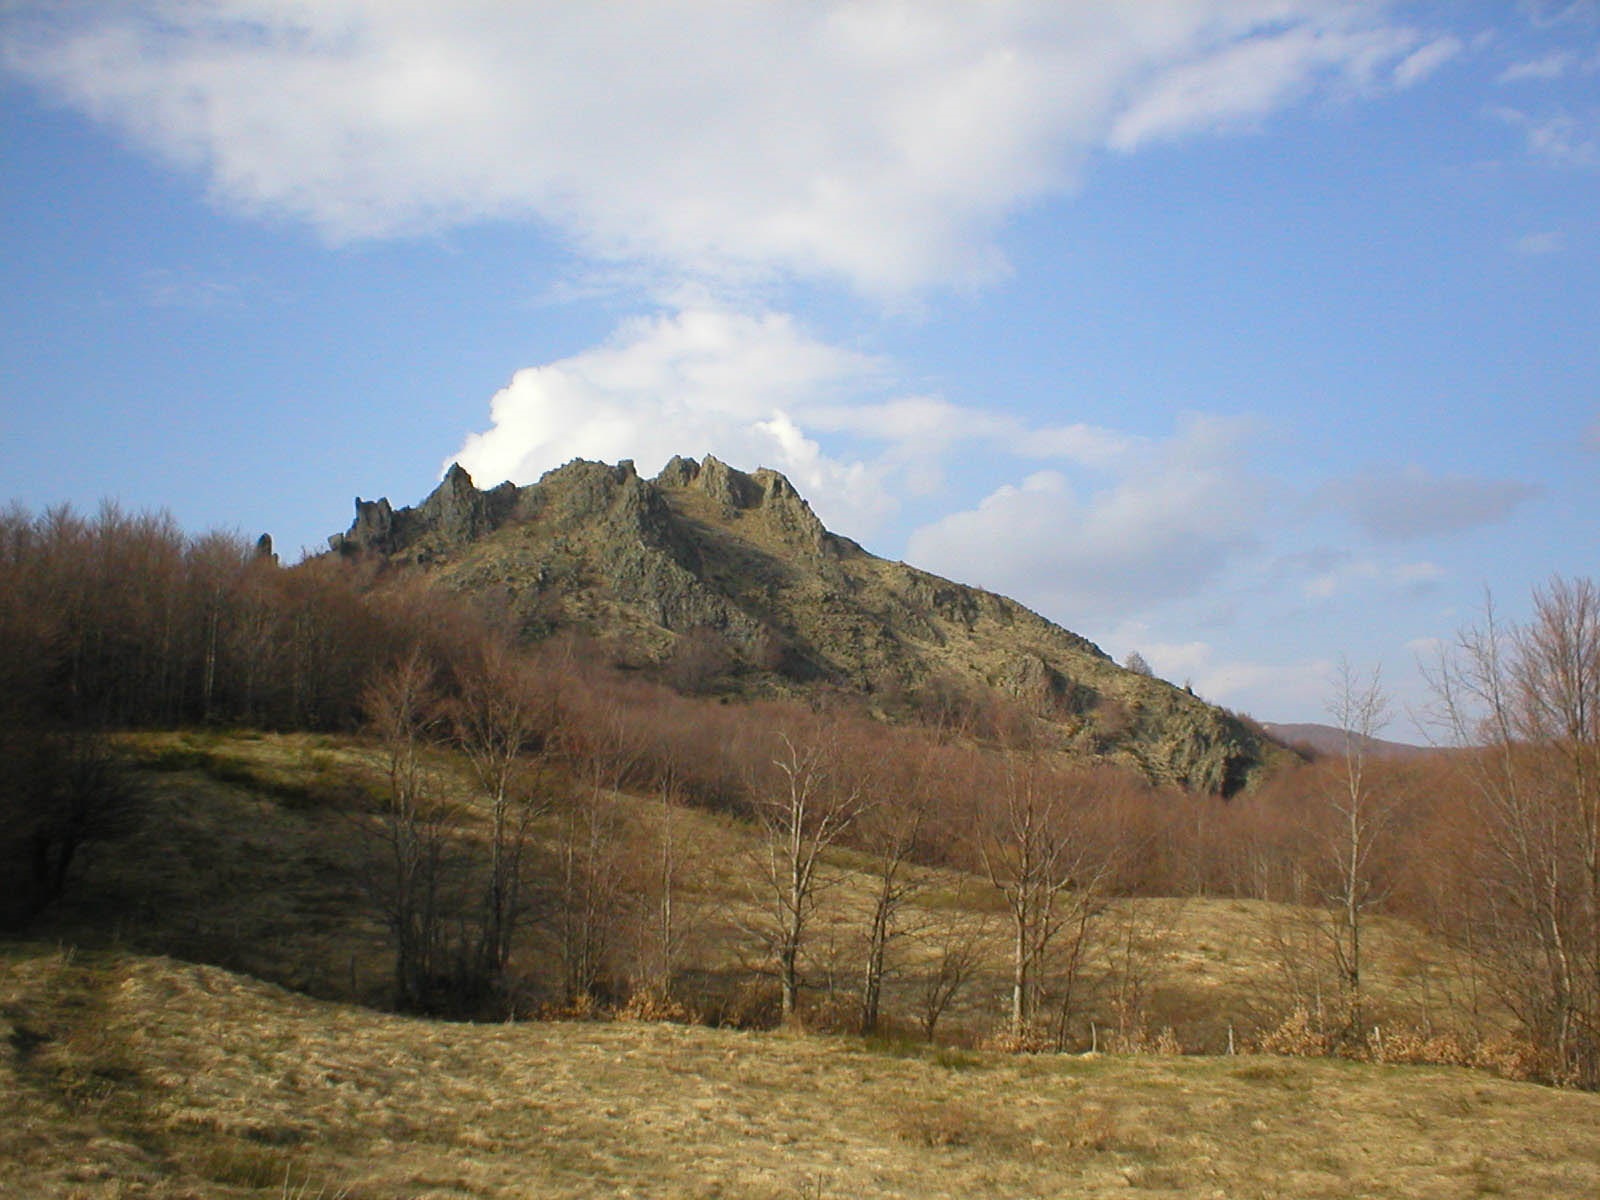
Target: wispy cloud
<point>1240,83</point>
<point>1423,62</point>
<point>1298,685</point>
<point>1553,65</point>
<point>169,288</point>
<point>1536,245</point>
<point>1562,138</point>
<point>1351,573</point>
<point>877,143</point>
<point>1174,517</point>
<point>1410,503</point>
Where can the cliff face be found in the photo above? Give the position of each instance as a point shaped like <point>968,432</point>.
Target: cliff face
<point>705,554</point>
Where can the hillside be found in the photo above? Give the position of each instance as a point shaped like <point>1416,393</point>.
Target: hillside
<point>724,579</point>
<point>1329,740</point>
<point>258,851</point>
<point>124,1075</point>
<point>148,1046</point>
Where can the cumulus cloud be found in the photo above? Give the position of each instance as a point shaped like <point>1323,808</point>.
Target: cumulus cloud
<point>1174,517</point>
<point>698,380</point>
<point>879,143</point>
<point>756,389</point>
<point>1411,503</point>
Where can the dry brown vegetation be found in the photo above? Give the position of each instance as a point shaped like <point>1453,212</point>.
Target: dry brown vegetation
<point>252,858</point>
<point>128,1076</point>
<point>453,823</point>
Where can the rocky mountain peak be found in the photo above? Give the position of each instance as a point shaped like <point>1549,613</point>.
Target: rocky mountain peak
<point>708,563</point>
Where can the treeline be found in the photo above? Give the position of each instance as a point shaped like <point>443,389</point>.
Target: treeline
<point>122,621</point>
<point>1491,847</point>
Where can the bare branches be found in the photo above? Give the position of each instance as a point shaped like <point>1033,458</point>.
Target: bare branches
<point>803,807</point>
<point>1529,698</point>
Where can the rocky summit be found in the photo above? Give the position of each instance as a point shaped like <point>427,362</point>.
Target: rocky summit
<point>726,581</point>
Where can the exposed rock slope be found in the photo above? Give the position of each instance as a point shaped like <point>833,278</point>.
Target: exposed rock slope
<point>737,565</point>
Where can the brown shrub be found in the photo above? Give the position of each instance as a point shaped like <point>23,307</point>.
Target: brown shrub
<point>1297,1035</point>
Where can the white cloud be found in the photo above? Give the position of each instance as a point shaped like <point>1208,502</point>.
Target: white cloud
<point>1349,574</point>
<point>1548,66</point>
<point>1176,515</point>
<point>1411,503</point>
<point>701,380</point>
<point>1560,137</point>
<point>1533,245</point>
<point>1267,690</point>
<point>168,288</point>
<point>879,142</point>
<point>1242,82</point>
<point>1566,140</point>
<point>757,389</point>
<point>1426,649</point>
<point>1420,64</point>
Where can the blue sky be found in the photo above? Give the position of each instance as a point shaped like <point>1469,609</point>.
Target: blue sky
<point>1247,334</point>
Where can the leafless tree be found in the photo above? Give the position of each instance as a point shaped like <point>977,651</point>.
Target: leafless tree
<point>413,821</point>
<point>957,941</point>
<point>62,792</point>
<point>592,886</point>
<point>1034,843</point>
<point>1528,700</point>
<point>1362,815</point>
<point>803,806</point>
<point>900,786</point>
<point>501,719</point>
<point>1138,937</point>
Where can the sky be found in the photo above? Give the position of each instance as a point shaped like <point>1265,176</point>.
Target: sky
<point>1255,336</point>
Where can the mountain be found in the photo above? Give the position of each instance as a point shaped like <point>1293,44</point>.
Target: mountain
<point>1329,740</point>
<point>724,579</point>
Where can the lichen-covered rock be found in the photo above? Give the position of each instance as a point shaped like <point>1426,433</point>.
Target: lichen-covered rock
<point>706,550</point>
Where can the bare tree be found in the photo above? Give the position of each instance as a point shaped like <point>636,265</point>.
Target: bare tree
<point>61,793</point>
<point>663,923</point>
<point>1033,842</point>
<point>593,883</point>
<point>958,942</point>
<point>1139,945</point>
<point>501,720</point>
<point>890,829</point>
<point>1529,699</point>
<point>803,806</point>
<point>1361,817</point>
<point>413,821</point>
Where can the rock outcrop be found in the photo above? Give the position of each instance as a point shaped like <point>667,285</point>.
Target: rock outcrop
<point>707,551</point>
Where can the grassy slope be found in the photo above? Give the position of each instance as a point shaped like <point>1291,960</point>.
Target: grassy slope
<point>143,1076</point>
<point>251,861</point>
<point>129,1073</point>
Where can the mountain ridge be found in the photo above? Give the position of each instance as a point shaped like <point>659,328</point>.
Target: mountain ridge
<point>708,568</point>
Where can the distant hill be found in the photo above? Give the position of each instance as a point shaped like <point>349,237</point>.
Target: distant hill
<point>723,580</point>
<point>1330,740</point>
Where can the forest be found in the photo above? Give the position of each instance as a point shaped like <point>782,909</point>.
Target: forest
<point>505,857</point>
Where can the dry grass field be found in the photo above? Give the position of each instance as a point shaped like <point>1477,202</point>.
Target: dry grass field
<point>157,1061</point>
<point>128,1076</point>
<point>251,861</point>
